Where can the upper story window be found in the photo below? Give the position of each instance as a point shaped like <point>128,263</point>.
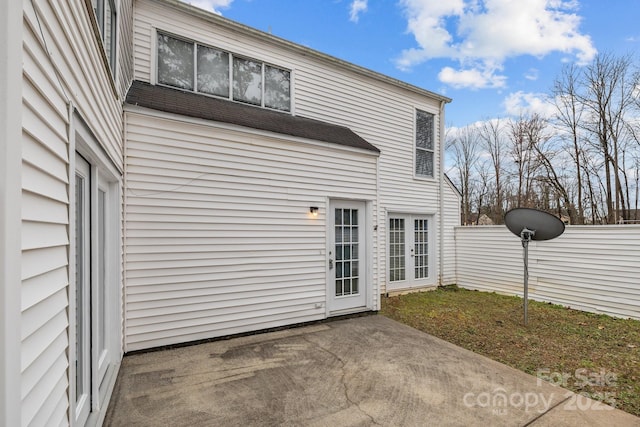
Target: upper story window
<point>191,66</point>
<point>105,11</point>
<point>424,144</point>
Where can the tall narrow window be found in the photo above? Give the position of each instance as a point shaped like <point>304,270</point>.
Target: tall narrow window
<point>83,290</point>
<point>424,144</point>
<point>175,62</point>
<point>347,260</point>
<point>396,249</point>
<point>421,248</point>
<point>105,11</point>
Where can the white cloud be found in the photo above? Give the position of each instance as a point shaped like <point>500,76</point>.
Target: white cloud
<point>532,74</point>
<point>481,34</point>
<point>357,7</point>
<point>528,103</point>
<point>210,5</point>
<point>473,78</point>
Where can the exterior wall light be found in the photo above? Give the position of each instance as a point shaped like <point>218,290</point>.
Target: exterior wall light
<point>313,210</point>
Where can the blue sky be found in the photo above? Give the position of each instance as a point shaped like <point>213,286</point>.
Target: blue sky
<point>495,58</point>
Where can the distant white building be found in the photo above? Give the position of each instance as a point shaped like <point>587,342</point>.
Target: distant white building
<point>171,175</point>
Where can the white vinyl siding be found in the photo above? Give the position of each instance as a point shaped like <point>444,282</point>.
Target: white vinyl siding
<point>124,75</point>
<point>380,112</point>
<point>591,268</point>
<point>219,237</point>
<point>451,207</point>
<point>70,69</point>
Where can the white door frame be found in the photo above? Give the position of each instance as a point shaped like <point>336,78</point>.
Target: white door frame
<point>89,160</point>
<point>410,282</point>
<point>337,305</point>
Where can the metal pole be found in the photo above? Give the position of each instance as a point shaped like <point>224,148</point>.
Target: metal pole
<point>525,243</point>
<point>526,236</point>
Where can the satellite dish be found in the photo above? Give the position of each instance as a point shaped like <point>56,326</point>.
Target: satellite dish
<point>531,224</point>
<point>544,225</point>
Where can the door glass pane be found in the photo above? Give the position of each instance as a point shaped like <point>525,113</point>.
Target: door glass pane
<point>247,81</point>
<point>421,248</point>
<point>80,274</point>
<point>175,62</point>
<point>396,249</point>
<point>101,271</point>
<point>213,71</point>
<point>347,216</point>
<point>346,250</point>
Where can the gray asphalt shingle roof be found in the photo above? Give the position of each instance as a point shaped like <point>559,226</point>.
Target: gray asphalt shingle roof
<point>209,108</point>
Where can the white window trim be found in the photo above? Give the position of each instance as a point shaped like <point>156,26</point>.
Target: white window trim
<point>231,55</point>
<point>11,22</point>
<point>415,145</point>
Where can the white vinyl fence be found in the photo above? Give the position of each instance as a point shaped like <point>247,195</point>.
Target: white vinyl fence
<point>590,268</point>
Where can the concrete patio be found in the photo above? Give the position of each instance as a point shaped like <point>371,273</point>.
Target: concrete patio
<point>355,372</point>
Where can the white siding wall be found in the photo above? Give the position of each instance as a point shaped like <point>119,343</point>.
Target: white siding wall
<point>380,112</point>
<point>451,206</point>
<point>125,47</point>
<point>592,268</point>
<point>67,71</point>
<point>219,239</point>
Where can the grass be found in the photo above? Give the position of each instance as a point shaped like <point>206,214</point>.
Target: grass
<point>591,354</point>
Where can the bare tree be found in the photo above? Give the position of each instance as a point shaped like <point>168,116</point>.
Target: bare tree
<point>607,94</point>
<point>539,138</point>
<point>491,133</point>
<point>568,115</point>
<point>464,146</point>
<point>524,158</point>
<point>482,188</point>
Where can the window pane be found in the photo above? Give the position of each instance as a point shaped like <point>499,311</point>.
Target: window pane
<point>338,217</point>
<point>247,81</point>
<point>109,34</point>
<point>276,88</point>
<point>347,217</point>
<point>424,130</point>
<point>102,292</point>
<point>98,8</point>
<point>396,249</point>
<point>80,274</point>
<point>213,71</point>
<point>424,162</point>
<point>175,62</point>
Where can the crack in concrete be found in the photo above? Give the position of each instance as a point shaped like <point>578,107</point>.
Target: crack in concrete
<point>547,411</point>
<point>343,382</point>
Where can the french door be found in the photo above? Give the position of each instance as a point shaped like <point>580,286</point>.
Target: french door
<point>347,287</point>
<point>409,257</point>
<point>92,344</point>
